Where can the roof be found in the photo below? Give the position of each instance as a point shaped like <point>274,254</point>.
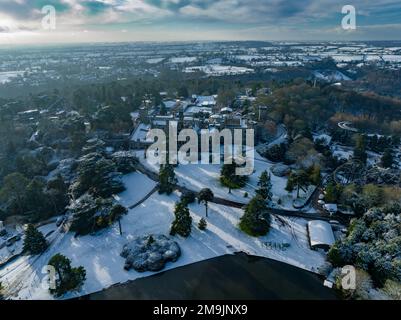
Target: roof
<point>320,233</point>
<point>226,109</point>
<point>332,207</point>
<point>141,133</point>
<point>205,100</point>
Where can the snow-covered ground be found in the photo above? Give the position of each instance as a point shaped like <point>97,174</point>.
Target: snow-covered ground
<point>137,187</point>
<point>219,70</point>
<point>198,176</point>
<point>100,253</point>
<point>342,152</point>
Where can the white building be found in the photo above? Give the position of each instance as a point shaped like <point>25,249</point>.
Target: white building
<point>320,234</point>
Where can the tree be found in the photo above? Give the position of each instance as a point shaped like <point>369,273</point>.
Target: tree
<point>167,179</point>
<point>67,278</point>
<point>256,219</point>
<point>98,176</point>
<point>299,179</point>
<point>163,110</point>
<point>116,212</point>
<point>333,193</point>
<point>90,214</point>
<point>37,202</point>
<point>57,190</point>
<point>183,221</point>
<point>188,197</point>
<point>387,159</point>
<point>360,149</point>
<point>13,193</point>
<point>202,224</point>
<point>265,186</point>
<point>204,196</point>
<point>230,179</point>
<point>182,92</point>
<point>314,175</point>
<point>34,242</point>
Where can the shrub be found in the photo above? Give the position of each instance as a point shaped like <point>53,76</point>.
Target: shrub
<point>202,224</point>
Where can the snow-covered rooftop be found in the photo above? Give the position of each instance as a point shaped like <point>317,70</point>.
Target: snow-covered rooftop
<point>320,234</point>
<point>141,133</point>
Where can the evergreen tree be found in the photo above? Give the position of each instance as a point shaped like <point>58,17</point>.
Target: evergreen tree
<point>256,219</point>
<point>387,159</point>
<point>34,242</point>
<point>37,203</point>
<point>360,149</point>
<point>202,224</point>
<point>13,193</point>
<point>265,186</point>
<point>97,175</point>
<point>163,110</point>
<point>90,214</point>
<point>57,190</point>
<point>167,179</point>
<point>314,175</point>
<point>183,221</point>
<point>230,179</point>
<point>204,196</point>
<point>67,277</point>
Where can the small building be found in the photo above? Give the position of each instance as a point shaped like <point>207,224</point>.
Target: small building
<point>320,234</point>
<point>330,208</point>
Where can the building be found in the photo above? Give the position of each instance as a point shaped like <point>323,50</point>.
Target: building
<point>320,234</point>
<point>330,208</point>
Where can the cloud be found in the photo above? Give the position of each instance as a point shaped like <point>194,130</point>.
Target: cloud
<point>223,17</point>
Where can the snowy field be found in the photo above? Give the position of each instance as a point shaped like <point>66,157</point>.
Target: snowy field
<point>100,253</point>
<point>219,70</point>
<point>198,176</point>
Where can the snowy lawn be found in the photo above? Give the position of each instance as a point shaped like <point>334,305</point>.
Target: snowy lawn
<point>137,187</point>
<point>199,176</point>
<point>100,254</point>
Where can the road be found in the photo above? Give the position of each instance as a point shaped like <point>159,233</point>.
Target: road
<point>346,125</point>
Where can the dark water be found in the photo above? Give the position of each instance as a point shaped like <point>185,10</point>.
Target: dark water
<point>228,277</point>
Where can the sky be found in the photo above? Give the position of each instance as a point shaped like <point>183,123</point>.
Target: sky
<point>21,21</point>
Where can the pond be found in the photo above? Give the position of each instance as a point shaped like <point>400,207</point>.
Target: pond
<point>228,277</point>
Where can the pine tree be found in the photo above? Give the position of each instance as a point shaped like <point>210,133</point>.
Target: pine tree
<point>167,179</point>
<point>387,159</point>
<point>34,242</point>
<point>360,149</point>
<point>230,179</point>
<point>67,278</point>
<point>265,186</point>
<point>183,221</point>
<point>204,196</point>
<point>256,219</point>
<point>202,224</point>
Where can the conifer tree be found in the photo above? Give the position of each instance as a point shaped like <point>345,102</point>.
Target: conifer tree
<point>34,242</point>
<point>183,221</point>
<point>265,186</point>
